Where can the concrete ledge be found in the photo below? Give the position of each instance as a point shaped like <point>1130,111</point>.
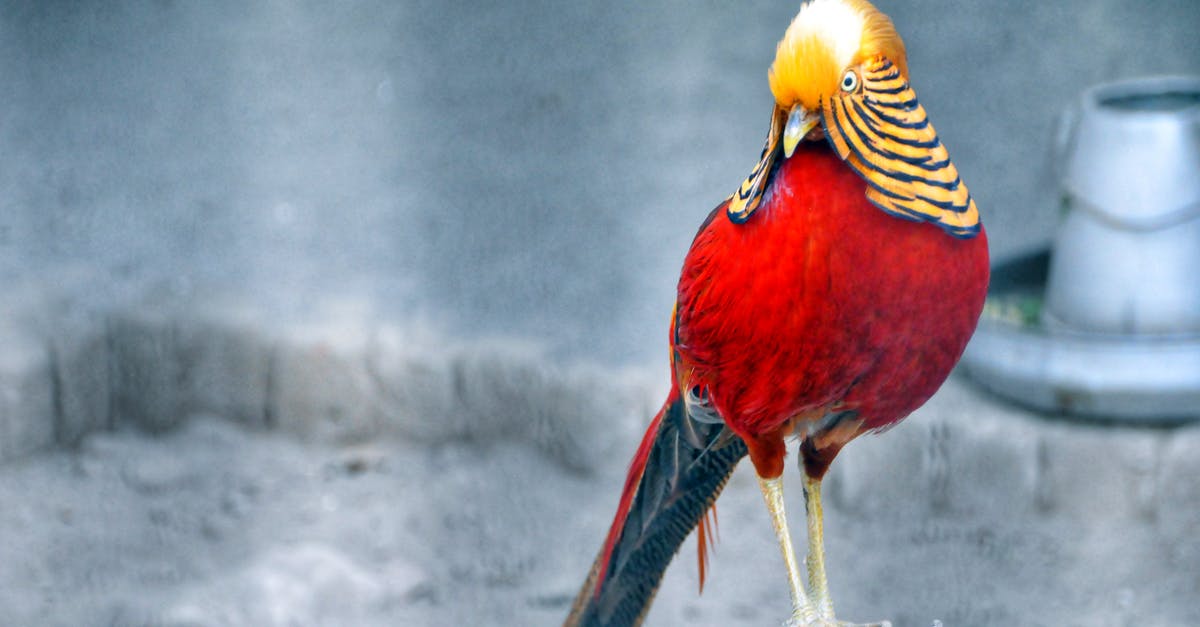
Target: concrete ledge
<point>80,355</point>
<point>27,385</point>
<point>154,363</point>
<point>319,386</point>
<point>27,402</point>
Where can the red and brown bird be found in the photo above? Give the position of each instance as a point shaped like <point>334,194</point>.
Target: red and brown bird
<point>829,297</point>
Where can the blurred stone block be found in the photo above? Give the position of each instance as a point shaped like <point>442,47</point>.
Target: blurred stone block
<point>519,396</point>
<point>956,455</point>
<point>982,463</point>
<point>145,372</point>
<point>319,385</point>
<point>879,474</point>
<point>1090,472</point>
<point>26,394</point>
<point>55,311</point>
<point>169,362</point>
<point>225,361</point>
<point>416,385</point>
<point>502,390</point>
<point>81,363</point>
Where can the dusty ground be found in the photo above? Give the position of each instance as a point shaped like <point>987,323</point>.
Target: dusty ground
<point>970,512</point>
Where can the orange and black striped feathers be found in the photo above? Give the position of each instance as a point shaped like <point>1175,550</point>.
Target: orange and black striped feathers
<point>882,132</point>
<point>844,61</point>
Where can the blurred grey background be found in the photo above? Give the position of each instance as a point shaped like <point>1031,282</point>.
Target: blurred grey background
<point>503,174</point>
<point>529,168</point>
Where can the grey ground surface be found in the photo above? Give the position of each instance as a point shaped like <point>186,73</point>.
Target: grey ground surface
<point>217,468</point>
<point>970,513</point>
<point>353,314</point>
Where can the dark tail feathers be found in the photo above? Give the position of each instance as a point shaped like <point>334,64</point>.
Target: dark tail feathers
<point>678,472</point>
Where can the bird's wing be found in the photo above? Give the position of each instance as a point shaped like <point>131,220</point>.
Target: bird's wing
<point>749,195</point>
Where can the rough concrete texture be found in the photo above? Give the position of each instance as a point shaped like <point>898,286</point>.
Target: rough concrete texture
<point>80,354</point>
<point>532,169</point>
<point>26,397</point>
<point>437,483</point>
<point>510,391</point>
<point>159,360</point>
<point>320,387</point>
<point>351,172</point>
<point>27,388</point>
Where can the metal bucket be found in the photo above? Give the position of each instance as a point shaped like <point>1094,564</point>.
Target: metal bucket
<point>1127,257</point>
<point>1107,322</point>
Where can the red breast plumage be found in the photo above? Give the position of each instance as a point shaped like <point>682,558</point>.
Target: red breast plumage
<point>820,301</point>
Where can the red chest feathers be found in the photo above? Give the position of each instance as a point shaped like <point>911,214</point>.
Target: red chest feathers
<point>821,300</point>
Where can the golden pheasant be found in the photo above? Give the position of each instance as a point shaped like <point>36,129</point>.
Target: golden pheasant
<point>829,297</point>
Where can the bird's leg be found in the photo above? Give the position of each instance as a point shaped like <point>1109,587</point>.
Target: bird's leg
<point>818,584</point>
<point>802,610</point>
<point>815,461</point>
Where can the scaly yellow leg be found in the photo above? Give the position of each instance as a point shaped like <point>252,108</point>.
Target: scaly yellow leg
<point>802,610</point>
<point>818,584</point>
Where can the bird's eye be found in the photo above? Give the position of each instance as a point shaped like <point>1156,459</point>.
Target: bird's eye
<point>849,81</point>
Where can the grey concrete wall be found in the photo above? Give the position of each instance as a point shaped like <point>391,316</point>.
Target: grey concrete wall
<point>68,371</point>
<point>532,168</point>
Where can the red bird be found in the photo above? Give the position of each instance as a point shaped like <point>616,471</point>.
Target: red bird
<point>829,297</point>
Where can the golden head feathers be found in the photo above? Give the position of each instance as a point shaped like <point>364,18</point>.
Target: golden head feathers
<point>842,65</point>
<point>825,38</point>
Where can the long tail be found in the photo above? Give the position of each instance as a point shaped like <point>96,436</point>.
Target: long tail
<point>674,479</point>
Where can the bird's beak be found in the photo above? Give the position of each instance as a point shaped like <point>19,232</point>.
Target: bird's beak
<point>800,121</point>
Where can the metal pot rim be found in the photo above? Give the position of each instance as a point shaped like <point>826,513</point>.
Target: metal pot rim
<point>1135,166</point>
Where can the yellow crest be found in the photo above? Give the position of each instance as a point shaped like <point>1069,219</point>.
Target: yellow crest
<point>842,61</point>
